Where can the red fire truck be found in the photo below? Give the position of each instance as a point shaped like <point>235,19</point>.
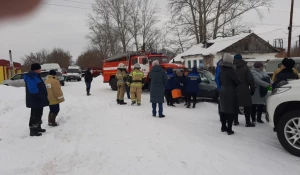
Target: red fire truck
<point>129,59</point>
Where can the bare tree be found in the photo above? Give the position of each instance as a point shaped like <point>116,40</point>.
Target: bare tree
<point>90,58</point>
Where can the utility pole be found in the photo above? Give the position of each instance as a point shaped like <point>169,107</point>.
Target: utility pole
<point>11,65</point>
<point>290,29</point>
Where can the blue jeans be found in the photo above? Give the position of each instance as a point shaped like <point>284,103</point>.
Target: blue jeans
<point>88,86</point>
<point>160,109</point>
<point>54,109</point>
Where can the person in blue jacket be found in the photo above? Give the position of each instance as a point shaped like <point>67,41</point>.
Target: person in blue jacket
<point>192,82</point>
<point>36,99</point>
<point>218,81</point>
<point>172,84</point>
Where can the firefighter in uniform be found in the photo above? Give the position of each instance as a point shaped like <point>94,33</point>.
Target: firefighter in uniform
<point>121,76</point>
<point>136,81</point>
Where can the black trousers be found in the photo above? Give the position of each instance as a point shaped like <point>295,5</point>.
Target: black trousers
<point>227,120</point>
<point>35,117</point>
<point>256,111</point>
<point>54,109</point>
<point>169,98</point>
<point>189,98</point>
<point>247,113</point>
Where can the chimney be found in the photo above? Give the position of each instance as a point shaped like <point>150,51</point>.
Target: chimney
<point>233,32</point>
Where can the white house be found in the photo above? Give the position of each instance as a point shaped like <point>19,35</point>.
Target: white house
<point>207,54</point>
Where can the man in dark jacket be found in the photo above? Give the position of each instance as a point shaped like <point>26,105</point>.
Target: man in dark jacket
<point>228,93</point>
<point>180,77</point>
<point>157,89</point>
<point>171,85</point>
<point>88,78</point>
<point>192,86</point>
<point>36,99</point>
<point>245,90</point>
<point>287,73</point>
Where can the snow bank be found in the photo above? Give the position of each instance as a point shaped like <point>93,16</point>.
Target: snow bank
<point>97,136</point>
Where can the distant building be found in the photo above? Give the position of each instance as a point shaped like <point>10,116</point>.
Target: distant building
<point>208,53</point>
<point>5,69</point>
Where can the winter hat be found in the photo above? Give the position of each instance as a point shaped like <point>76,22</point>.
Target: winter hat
<point>52,72</point>
<point>227,58</point>
<point>258,64</point>
<point>238,57</point>
<point>285,62</point>
<point>290,64</point>
<point>35,66</point>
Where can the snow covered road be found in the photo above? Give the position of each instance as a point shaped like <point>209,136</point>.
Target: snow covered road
<point>97,136</point>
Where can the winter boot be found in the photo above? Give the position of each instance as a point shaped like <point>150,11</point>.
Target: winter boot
<point>223,121</point>
<point>194,105</point>
<point>162,116</point>
<point>259,117</point>
<point>39,128</point>
<point>188,105</point>
<point>133,102</point>
<point>229,124</point>
<point>51,120</point>
<point>236,120</point>
<point>139,104</point>
<point>118,101</point>
<point>34,132</point>
<point>230,132</point>
<point>122,102</point>
<point>249,124</point>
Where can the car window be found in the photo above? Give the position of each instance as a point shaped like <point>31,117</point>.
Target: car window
<point>17,77</point>
<point>203,78</point>
<point>58,74</point>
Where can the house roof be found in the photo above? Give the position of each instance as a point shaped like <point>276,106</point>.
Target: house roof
<point>219,44</point>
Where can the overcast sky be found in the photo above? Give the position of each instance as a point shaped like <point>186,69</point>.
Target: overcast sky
<point>55,26</point>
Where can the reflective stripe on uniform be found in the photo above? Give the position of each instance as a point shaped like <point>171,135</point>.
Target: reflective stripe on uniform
<point>48,86</point>
<point>60,97</point>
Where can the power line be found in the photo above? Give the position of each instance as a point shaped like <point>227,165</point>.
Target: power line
<point>66,6</point>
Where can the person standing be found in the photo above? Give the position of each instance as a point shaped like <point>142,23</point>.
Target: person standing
<point>281,68</point>
<point>192,86</point>
<point>36,98</point>
<point>228,94</point>
<point>246,88</point>
<point>126,86</point>
<point>136,82</point>
<point>287,73</point>
<point>88,78</point>
<point>121,76</point>
<point>181,79</point>
<point>157,89</point>
<point>218,82</point>
<point>172,84</point>
<point>55,97</point>
<point>262,82</point>
<point>185,74</point>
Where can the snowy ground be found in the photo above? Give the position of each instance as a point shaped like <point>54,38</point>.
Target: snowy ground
<point>97,136</point>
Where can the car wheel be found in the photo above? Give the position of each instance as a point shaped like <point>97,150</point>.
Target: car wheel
<point>288,132</point>
<point>113,84</point>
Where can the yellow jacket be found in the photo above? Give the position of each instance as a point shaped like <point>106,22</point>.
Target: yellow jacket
<point>136,78</point>
<point>279,70</point>
<point>55,94</point>
<point>121,77</point>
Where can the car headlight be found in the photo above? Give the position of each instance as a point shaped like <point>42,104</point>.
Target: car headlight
<point>281,90</point>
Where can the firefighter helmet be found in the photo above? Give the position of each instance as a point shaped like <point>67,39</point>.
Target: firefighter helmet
<point>137,66</point>
<point>121,66</point>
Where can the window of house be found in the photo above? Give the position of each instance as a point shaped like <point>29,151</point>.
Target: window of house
<point>195,63</point>
<point>189,64</point>
<point>201,64</point>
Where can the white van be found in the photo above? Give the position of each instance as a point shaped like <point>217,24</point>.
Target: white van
<point>51,66</point>
<point>73,73</point>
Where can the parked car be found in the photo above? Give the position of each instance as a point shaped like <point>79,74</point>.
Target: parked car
<point>283,114</point>
<point>208,87</point>
<point>18,79</point>
<point>73,73</point>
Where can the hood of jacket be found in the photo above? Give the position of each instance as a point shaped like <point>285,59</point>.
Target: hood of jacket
<point>227,65</point>
<point>30,74</point>
<point>169,70</point>
<point>239,63</point>
<point>157,68</point>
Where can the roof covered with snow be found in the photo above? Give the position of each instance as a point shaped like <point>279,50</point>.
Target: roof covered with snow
<point>219,44</point>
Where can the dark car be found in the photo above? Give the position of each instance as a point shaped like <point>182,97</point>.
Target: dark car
<point>208,86</point>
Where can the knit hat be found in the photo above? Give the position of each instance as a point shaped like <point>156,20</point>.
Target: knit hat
<point>258,64</point>
<point>238,57</point>
<point>227,58</point>
<point>52,72</point>
<point>285,62</point>
<point>35,66</point>
<point>290,64</point>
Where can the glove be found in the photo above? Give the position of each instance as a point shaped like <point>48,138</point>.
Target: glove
<point>252,93</point>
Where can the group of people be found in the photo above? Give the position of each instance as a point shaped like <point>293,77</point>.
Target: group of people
<point>39,94</point>
<point>242,87</point>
